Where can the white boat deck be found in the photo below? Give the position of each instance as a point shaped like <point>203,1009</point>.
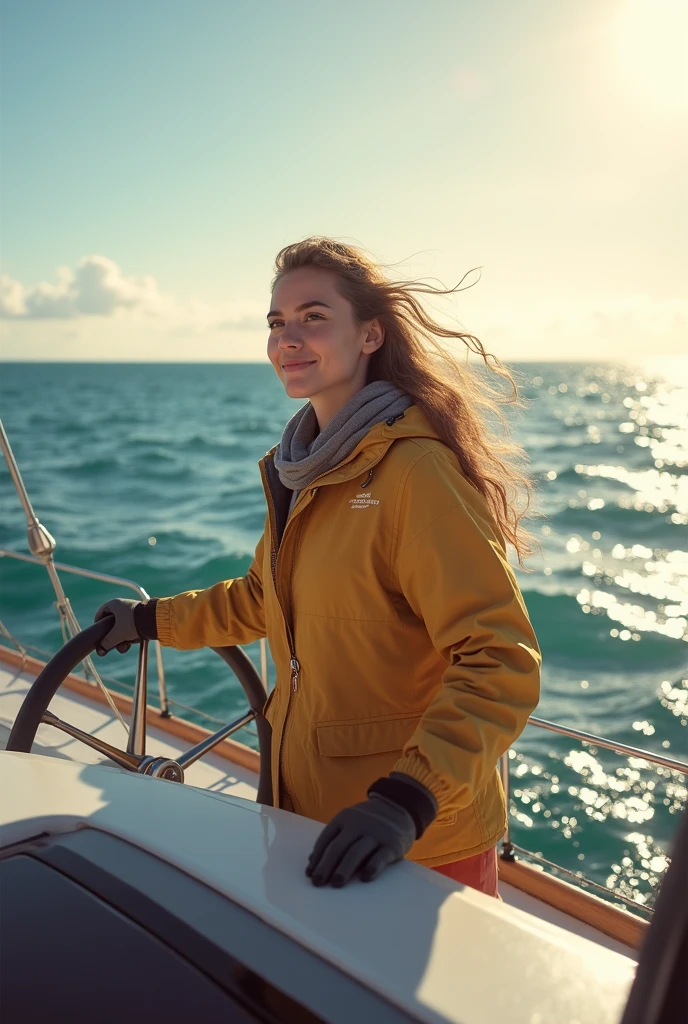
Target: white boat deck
<point>212,773</point>
<point>463,958</point>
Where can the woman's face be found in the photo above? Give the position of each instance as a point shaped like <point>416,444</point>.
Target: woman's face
<point>315,345</point>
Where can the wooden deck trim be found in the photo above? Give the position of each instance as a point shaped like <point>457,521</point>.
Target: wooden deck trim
<point>584,906</point>
<point>608,919</point>
<point>229,749</point>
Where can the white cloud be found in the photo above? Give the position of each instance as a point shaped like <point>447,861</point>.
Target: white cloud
<point>12,302</point>
<point>124,318</point>
<point>97,287</point>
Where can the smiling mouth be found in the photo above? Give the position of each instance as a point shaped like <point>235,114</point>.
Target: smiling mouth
<point>297,366</point>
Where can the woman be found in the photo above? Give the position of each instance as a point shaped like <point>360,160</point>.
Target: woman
<point>406,662</point>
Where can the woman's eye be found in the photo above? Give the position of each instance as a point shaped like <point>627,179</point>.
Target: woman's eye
<point>279,323</point>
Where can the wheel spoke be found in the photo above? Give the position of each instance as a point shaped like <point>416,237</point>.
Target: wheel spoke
<point>137,733</point>
<point>120,757</point>
<point>205,745</point>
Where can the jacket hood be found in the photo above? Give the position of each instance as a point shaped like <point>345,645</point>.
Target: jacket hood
<point>371,448</point>
<point>413,423</point>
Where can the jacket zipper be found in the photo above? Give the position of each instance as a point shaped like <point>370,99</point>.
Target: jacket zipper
<point>293,663</point>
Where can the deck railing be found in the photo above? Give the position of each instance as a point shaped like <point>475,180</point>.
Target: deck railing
<point>120,581</point>
<point>509,848</point>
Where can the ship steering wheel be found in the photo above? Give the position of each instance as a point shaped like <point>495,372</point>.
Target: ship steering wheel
<point>34,711</point>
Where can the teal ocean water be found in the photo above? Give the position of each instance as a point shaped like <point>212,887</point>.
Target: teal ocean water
<point>149,473</point>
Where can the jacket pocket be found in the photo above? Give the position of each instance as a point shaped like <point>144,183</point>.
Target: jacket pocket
<point>377,736</point>
<point>356,739</point>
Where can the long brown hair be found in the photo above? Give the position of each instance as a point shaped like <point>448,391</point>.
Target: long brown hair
<point>462,406</point>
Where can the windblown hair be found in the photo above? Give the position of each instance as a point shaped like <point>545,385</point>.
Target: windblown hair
<point>463,406</point>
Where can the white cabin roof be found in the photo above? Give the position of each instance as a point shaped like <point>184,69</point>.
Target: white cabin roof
<point>440,950</point>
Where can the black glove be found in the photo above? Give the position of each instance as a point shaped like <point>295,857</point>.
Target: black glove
<point>124,632</point>
<point>366,838</point>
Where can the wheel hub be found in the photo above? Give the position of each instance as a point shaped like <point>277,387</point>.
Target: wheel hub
<point>162,768</point>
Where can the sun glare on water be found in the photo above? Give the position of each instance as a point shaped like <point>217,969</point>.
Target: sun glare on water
<point>652,50</point>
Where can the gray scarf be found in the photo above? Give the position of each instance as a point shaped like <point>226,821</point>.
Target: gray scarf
<point>303,453</point>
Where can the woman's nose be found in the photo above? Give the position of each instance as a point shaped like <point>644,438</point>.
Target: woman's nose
<point>289,335</point>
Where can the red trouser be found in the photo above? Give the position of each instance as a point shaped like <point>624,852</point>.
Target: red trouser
<point>480,872</point>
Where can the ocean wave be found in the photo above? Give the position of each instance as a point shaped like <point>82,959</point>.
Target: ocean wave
<point>91,467</point>
<point>569,635</point>
<point>622,524</point>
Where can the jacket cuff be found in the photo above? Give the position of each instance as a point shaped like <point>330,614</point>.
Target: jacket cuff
<point>417,767</point>
<point>409,794</point>
<point>144,619</point>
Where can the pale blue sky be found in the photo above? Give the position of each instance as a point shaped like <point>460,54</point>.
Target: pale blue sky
<point>157,153</point>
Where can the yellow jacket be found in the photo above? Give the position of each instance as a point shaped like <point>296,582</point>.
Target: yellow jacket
<point>399,634</point>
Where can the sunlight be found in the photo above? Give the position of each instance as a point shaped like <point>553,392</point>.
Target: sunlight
<point>651,44</point>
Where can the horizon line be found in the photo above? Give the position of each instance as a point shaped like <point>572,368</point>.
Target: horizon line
<point>265,362</point>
